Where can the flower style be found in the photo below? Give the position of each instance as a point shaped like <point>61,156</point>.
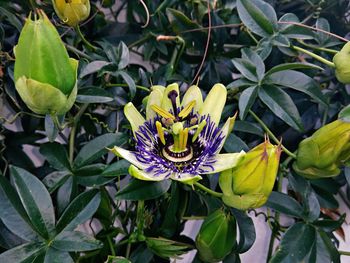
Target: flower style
<point>179,141</point>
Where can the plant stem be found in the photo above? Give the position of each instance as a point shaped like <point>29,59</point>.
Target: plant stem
<point>273,137</point>
<point>344,253</point>
<point>73,131</point>
<point>128,249</point>
<point>311,54</point>
<point>126,85</point>
<point>86,42</point>
<point>111,245</point>
<point>328,50</point>
<point>140,219</point>
<point>209,191</point>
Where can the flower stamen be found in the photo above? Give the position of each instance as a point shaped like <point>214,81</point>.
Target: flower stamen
<point>187,110</point>
<point>162,112</point>
<point>160,132</point>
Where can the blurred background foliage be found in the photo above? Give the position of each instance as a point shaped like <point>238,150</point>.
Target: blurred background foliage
<point>190,41</point>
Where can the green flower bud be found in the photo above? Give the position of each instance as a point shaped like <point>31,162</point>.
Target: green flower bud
<point>217,236</point>
<point>321,154</point>
<point>249,184</point>
<point>45,76</point>
<point>72,12</point>
<point>342,64</point>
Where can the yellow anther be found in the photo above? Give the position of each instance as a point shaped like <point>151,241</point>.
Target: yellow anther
<point>200,128</point>
<point>162,112</point>
<point>185,137</point>
<point>160,132</point>
<point>185,111</point>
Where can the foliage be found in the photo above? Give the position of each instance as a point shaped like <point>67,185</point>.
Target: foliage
<point>78,203</point>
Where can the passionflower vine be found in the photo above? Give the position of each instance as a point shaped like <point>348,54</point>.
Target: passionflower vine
<point>177,140</point>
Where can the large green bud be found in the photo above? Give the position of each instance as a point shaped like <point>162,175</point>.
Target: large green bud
<point>45,76</point>
<point>342,64</point>
<point>72,12</point>
<point>217,236</point>
<point>321,154</point>
<point>249,184</point>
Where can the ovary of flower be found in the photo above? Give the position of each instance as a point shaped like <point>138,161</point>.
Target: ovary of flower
<point>179,141</point>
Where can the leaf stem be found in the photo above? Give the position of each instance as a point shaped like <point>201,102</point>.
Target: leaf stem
<point>126,85</point>
<point>344,253</point>
<point>86,42</point>
<point>111,245</point>
<point>269,132</point>
<point>74,130</point>
<point>209,191</point>
<point>317,57</point>
<point>328,50</point>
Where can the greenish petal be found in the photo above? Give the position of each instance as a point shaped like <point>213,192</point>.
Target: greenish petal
<point>127,155</point>
<point>214,102</point>
<point>193,94</point>
<point>40,97</point>
<point>225,182</point>
<point>134,116</point>
<point>166,103</point>
<point>244,202</point>
<point>160,88</point>
<point>154,98</point>
<point>225,161</point>
<point>186,178</point>
<point>226,130</point>
<point>142,175</point>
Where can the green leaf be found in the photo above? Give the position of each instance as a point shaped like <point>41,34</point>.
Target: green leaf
<point>247,68</point>
<point>297,81</point>
<point>79,210</point>
<point>281,105</point>
<point>13,214</point>
<point>143,190</point>
<point>55,179</point>
<point>253,57</point>
<point>123,54</point>
<point>97,147</point>
<point>93,67</point>
<point>36,201</point>
<point>75,241</point>
<point>129,80</point>
<point>166,248</point>
<point>249,127</point>
<point>94,95</point>
<point>309,198</point>
<point>57,256</point>
<point>179,21</point>
<point>246,101</point>
<point>293,31</point>
<point>113,259</point>
<point>117,169</point>
<point>332,250</point>
<point>247,234</point>
<point>24,253</point>
<point>56,155</point>
<point>285,204</point>
<point>329,225</point>
<point>50,128</point>
<point>344,114</point>
<point>258,16</point>
<point>296,244</point>
<point>295,65</point>
<point>171,220</point>
<point>320,37</point>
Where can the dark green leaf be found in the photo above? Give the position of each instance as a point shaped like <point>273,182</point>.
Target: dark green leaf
<point>321,37</point>
<point>246,101</point>
<point>113,259</point>
<point>246,68</point>
<point>297,81</point>
<point>248,127</point>
<point>247,234</point>
<point>24,253</point>
<point>57,256</point>
<point>129,80</point>
<point>179,21</point>
<point>235,144</point>
<point>97,147</point>
<point>344,114</point>
<point>79,210</point>
<point>56,155</point>
<point>295,65</point>
<point>13,214</point>
<point>258,16</point>
<point>332,250</point>
<point>94,95</point>
<point>143,190</point>
<point>55,179</point>
<point>293,31</point>
<point>66,193</point>
<point>253,57</point>
<point>93,67</point>
<point>117,169</point>
<point>124,57</point>
<point>329,225</point>
<point>296,244</point>
<point>281,105</point>
<point>285,204</point>
<point>36,201</point>
<point>50,128</point>
<point>171,220</point>
<point>75,241</point>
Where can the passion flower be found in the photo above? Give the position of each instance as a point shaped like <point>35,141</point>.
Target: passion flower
<point>177,140</point>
